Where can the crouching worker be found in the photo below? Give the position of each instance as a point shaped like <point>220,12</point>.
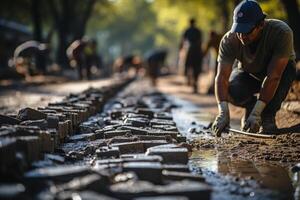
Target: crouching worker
<point>256,67</point>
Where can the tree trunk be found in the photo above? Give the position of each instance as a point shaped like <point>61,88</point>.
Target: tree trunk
<point>292,9</point>
<point>38,33</point>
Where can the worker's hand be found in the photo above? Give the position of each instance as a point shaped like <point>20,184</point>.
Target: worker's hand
<point>253,122</point>
<point>222,120</point>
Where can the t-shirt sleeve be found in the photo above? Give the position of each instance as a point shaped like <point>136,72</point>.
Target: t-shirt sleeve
<point>284,45</point>
<point>226,50</point>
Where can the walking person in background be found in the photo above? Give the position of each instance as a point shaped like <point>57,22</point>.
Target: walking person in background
<point>191,43</point>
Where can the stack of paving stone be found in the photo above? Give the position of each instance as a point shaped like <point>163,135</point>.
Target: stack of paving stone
<point>133,150</point>
<point>27,136</point>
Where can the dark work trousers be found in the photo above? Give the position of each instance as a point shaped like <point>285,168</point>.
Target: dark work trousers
<point>243,87</point>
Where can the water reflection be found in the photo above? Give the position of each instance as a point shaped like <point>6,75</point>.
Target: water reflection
<point>270,176</point>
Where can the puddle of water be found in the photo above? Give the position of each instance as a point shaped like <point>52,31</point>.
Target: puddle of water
<point>268,176</point>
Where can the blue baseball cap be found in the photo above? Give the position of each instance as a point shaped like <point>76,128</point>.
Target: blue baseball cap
<point>246,15</point>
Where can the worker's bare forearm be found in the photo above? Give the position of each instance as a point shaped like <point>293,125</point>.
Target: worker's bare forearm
<point>269,88</point>
<point>222,82</point>
<point>270,84</point>
<point>221,88</point>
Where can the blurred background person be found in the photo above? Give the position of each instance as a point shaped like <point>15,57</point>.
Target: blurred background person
<point>213,44</point>
<point>190,47</point>
<point>27,55</point>
<point>76,55</point>
<point>155,61</point>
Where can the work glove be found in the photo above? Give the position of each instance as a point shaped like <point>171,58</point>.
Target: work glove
<point>253,122</point>
<point>222,120</point>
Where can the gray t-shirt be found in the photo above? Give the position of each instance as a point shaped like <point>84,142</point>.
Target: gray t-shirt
<point>276,41</point>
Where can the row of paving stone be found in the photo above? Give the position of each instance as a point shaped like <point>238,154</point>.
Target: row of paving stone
<point>132,150</point>
<point>26,136</point>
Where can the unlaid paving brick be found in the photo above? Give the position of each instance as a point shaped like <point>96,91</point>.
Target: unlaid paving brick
<point>149,171</point>
<point>178,176</point>
<point>163,115</point>
<point>130,147</point>
<point>170,155</point>
<point>108,152</point>
<point>30,114</point>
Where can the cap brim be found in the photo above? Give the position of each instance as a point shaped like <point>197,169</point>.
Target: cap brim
<point>242,27</point>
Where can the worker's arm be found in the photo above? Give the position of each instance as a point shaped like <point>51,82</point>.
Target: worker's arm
<point>275,70</point>
<point>222,81</point>
<point>221,88</point>
<point>269,86</point>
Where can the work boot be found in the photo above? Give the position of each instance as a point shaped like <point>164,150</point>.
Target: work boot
<point>268,124</point>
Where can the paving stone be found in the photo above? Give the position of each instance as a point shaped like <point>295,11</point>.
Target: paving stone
<point>55,158</point>
<point>92,182</point>
<point>176,167</point>
<point>13,191</point>
<point>180,138</point>
<point>30,114</point>
<point>163,115</point>
<point>82,137</point>
<point>116,114</point>
<point>146,111</point>
<point>134,130</point>
<point>162,198</point>
<point>115,133</point>
<point>152,143</point>
<point>166,127</point>
<point>130,147</point>
<point>162,122</point>
<point>170,155</point>
<point>108,152</point>
<point>173,134</point>
<point>30,146</point>
<point>86,195</point>
<point>41,123</point>
<point>7,152</point>
<point>60,174</point>
<point>137,122</point>
<point>150,171</point>
<point>120,139</point>
<point>8,120</point>
<point>150,137</point>
<point>142,158</point>
<point>133,189</point>
<point>52,121</point>
<point>178,176</point>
